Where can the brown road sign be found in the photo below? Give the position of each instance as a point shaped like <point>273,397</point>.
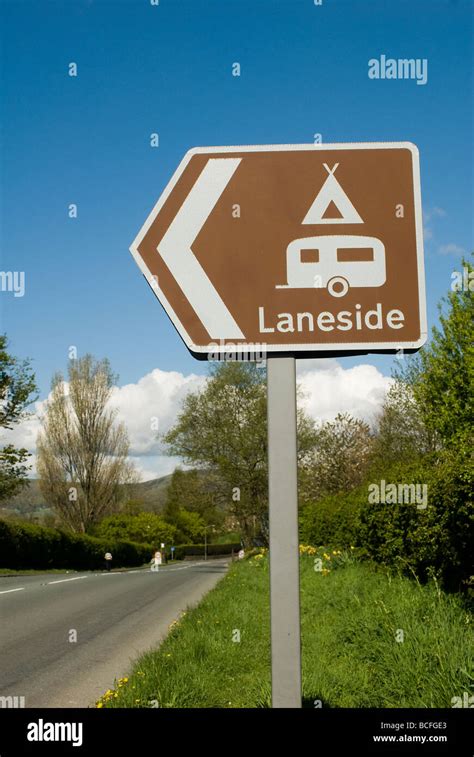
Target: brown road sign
<point>304,249</point>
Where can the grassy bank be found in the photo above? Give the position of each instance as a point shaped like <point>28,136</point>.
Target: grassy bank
<point>352,616</point>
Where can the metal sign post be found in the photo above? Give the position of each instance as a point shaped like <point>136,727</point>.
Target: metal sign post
<point>284,542</point>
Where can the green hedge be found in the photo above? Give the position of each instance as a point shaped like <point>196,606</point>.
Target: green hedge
<point>26,546</point>
<point>438,539</point>
<point>334,520</point>
<point>197,550</point>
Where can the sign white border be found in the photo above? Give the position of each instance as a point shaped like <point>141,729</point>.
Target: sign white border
<point>328,347</point>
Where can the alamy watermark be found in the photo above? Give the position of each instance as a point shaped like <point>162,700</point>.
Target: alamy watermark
<point>13,281</point>
<point>251,352</point>
<point>45,731</point>
<point>462,281</point>
<point>398,68</point>
<point>399,494</point>
<point>13,702</point>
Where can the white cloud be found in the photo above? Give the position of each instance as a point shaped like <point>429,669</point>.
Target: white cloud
<point>153,401</point>
<point>451,249</point>
<point>155,466</point>
<point>149,408</point>
<point>427,233</point>
<point>429,214</point>
<point>327,388</point>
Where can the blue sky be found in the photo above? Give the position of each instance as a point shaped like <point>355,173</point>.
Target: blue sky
<point>168,69</point>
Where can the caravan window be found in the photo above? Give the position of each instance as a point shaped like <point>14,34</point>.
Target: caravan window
<point>355,255</point>
<point>310,255</point>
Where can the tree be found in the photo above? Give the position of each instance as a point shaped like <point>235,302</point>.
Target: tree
<point>339,459</point>
<point>190,527</point>
<point>402,434</point>
<point>82,451</point>
<point>194,491</point>
<point>144,528</point>
<point>222,429</point>
<point>442,374</point>
<point>17,385</point>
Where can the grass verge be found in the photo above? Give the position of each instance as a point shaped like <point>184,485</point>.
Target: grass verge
<point>368,640</point>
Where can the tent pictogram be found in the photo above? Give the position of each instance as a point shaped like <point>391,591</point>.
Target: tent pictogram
<point>331,194</point>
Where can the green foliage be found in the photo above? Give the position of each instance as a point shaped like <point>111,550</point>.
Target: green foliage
<point>13,470</point>
<point>24,546</point>
<point>339,458</point>
<point>437,540</point>
<point>222,430</point>
<point>199,550</point>
<point>133,507</point>
<point>402,434</point>
<point>424,437</point>
<point>191,505</point>
<point>332,520</point>
<point>82,451</point>
<point>17,385</point>
<point>189,526</point>
<point>144,528</point>
<point>442,375</point>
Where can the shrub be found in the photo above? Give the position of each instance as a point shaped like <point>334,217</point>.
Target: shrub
<point>197,550</point>
<point>144,528</point>
<point>436,540</point>
<point>334,520</point>
<point>27,546</point>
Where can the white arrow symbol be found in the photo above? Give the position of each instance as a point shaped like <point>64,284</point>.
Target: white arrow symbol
<point>175,249</point>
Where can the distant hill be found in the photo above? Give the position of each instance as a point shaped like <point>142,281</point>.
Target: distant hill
<point>152,493</point>
<point>30,502</point>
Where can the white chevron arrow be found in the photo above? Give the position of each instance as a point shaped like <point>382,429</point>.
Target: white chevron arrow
<point>176,249</point>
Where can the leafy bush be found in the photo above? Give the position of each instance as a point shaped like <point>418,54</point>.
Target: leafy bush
<point>144,528</point>
<point>189,526</point>
<point>197,550</point>
<point>26,546</point>
<point>436,540</point>
<point>333,520</point>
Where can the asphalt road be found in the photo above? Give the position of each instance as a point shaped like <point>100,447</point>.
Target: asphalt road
<point>116,616</point>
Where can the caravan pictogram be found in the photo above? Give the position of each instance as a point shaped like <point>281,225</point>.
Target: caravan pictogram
<point>336,262</point>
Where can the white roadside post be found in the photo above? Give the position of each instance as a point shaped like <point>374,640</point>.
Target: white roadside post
<point>284,542</point>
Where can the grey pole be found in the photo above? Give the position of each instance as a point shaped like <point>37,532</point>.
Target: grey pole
<point>284,542</point>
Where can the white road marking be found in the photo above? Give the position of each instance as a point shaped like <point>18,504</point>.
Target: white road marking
<point>167,569</point>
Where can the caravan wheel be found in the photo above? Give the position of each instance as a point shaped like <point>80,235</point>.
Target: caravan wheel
<point>338,286</point>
